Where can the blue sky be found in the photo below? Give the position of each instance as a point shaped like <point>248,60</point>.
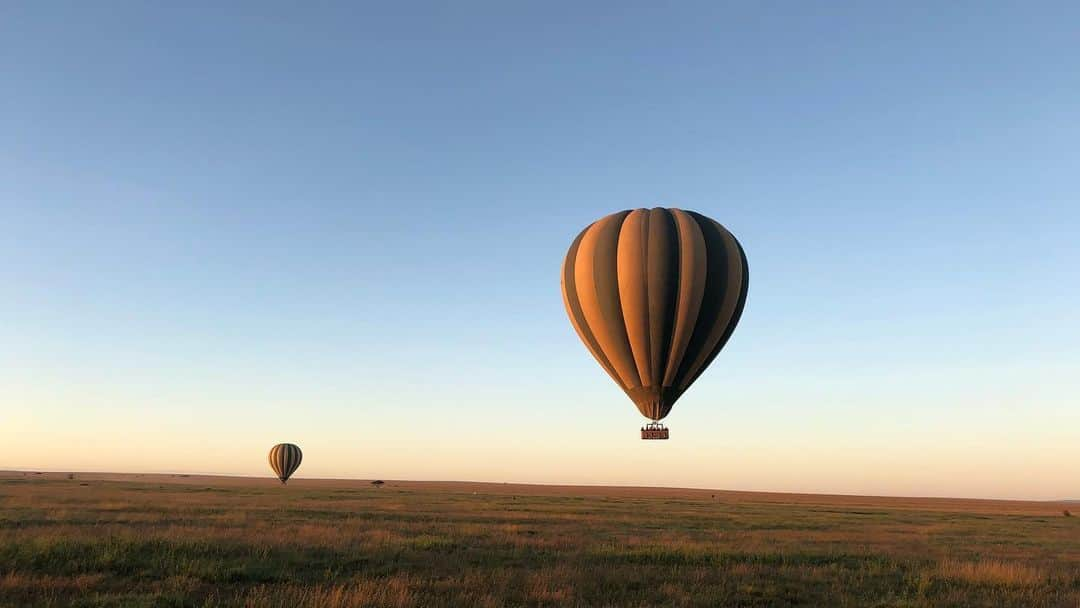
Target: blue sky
<point>341,225</point>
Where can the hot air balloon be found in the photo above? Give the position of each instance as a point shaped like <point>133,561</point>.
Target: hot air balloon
<point>654,294</point>
<point>285,459</point>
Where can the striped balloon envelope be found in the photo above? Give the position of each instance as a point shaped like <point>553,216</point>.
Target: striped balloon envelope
<point>655,294</point>
<point>285,459</point>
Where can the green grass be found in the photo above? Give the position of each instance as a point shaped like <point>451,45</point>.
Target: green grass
<point>145,544</point>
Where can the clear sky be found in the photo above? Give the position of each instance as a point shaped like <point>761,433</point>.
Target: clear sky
<point>341,225</point>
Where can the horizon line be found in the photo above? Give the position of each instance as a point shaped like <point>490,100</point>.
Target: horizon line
<point>180,474</point>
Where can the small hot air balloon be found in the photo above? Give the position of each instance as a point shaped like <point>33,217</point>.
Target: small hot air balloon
<point>654,294</point>
<point>285,459</point>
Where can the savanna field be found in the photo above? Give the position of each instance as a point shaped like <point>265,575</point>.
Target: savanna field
<point>159,540</point>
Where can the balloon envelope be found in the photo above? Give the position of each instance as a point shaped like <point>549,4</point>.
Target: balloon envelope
<point>655,294</point>
<point>285,459</point>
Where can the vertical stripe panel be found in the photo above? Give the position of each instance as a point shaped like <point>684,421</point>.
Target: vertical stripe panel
<point>577,317</point>
<point>631,268</point>
<point>692,273</point>
<point>723,287</point>
<point>595,274</point>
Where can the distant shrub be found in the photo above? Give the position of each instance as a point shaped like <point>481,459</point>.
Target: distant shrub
<point>377,483</point>
<point>71,475</point>
<point>1066,513</point>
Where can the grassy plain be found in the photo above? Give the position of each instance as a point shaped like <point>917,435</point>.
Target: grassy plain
<point>159,540</point>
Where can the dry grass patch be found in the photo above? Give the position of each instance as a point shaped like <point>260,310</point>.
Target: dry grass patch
<point>393,592</point>
<point>991,572</point>
<point>19,583</point>
<point>551,585</point>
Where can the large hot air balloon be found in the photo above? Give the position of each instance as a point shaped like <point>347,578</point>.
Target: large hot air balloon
<point>285,459</point>
<point>654,294</point>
